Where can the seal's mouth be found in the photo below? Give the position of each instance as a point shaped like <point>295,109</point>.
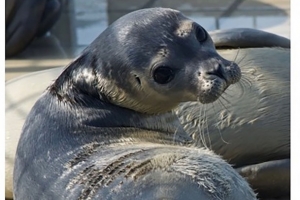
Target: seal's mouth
<point>211,90</point>
<point>215,80</point>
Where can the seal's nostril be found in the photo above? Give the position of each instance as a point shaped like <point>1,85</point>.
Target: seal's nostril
<point>217,72</point>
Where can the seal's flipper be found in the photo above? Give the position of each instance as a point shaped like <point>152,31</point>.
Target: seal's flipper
<point>269,178</point>
<point>247,37</point>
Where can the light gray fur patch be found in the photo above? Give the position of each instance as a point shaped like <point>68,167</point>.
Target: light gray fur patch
<point>121,165</point>
<point>185,28</point>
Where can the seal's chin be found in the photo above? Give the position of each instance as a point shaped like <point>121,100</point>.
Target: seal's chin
<point>209,98</point>
<point>211,90</point>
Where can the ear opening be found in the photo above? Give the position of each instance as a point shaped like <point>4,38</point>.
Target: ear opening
<point>137,79</point>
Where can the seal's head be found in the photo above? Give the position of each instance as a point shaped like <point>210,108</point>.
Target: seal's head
<point>150,61</point>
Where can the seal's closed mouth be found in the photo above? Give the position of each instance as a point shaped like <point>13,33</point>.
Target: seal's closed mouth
<point>214,80</point>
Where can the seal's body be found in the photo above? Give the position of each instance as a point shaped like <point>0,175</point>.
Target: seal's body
<point>250,126</point>
<point>105,127</point>
<point>260,104</point>
<point>33,17</point>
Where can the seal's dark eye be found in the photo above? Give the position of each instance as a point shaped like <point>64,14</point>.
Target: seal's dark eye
<point>163,75</point>
<point>201,34</point>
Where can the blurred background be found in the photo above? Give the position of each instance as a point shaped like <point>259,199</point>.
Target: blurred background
<point>42,34</point>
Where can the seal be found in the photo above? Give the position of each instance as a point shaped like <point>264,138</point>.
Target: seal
<point>19,100</point>
<point>240,125</point>
<point>33,17</point>
<point>247,38</point>
<point>20,95</point>
<point>105,127</point>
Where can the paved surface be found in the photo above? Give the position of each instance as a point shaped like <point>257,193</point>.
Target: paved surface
<point>82,21</point>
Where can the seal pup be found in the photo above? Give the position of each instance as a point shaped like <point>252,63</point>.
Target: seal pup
<point>250,125</point>
<point>19,100</point>
<point>20,95</point>
<point>104,128</point>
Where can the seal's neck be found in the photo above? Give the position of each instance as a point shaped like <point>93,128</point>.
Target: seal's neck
<point>78,86</point>
<point>77,83</point>
<point>117,121</point>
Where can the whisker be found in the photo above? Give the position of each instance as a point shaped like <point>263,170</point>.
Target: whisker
<point>248,63</point>
<point>221,136</point>
<point>242,89</point>
<point>174,135</point>
<point>200,140</point>
<point>200,137</point>
<point>228,102</point>
<point>237,54</point>
<point>203,126</point>
<point>207,129</point>
<point>227,94</point>
<point>238,62</point>
<point>222,104</point>
<point>246,80</point>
